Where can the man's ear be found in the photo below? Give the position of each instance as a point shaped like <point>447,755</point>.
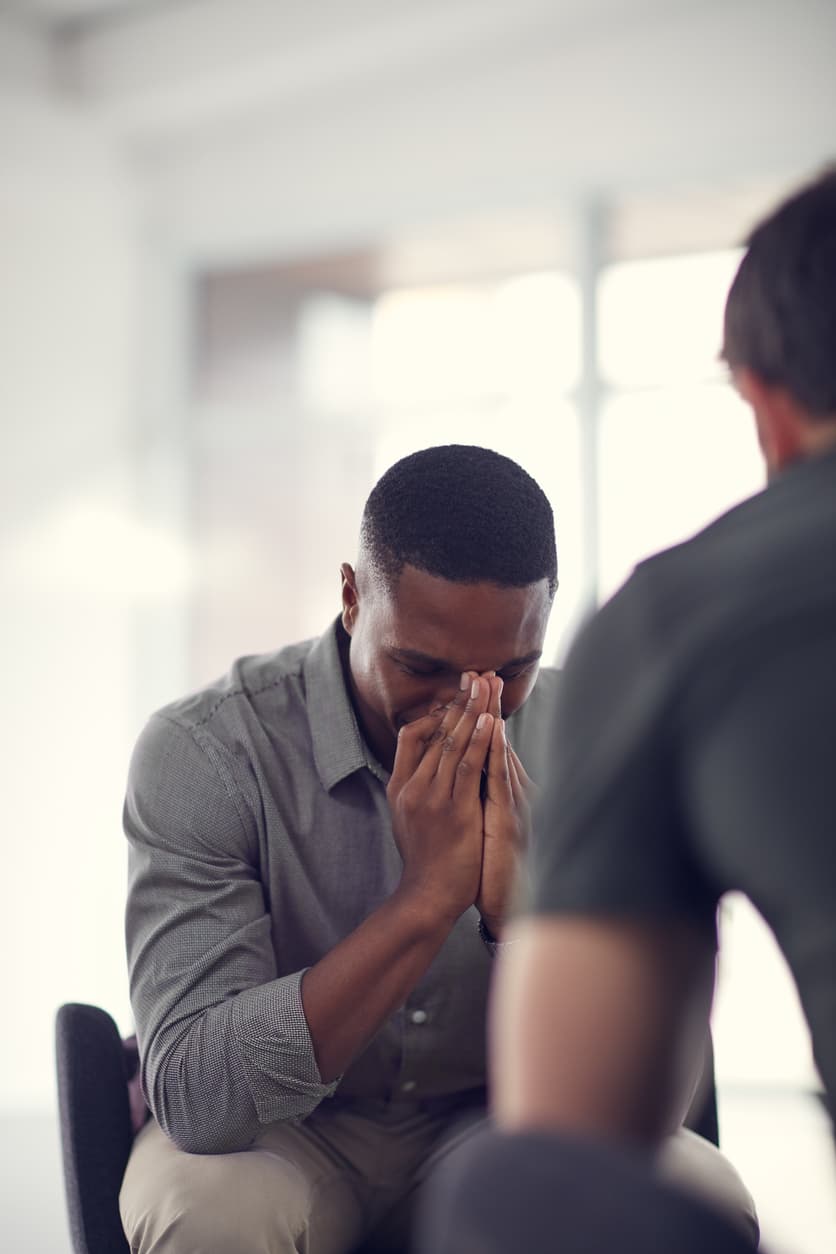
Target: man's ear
<point>350,597</point>
<point>777,418</point>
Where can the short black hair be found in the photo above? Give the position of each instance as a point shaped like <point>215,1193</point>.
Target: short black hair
<point>464,513</point>
<point>780,317</point>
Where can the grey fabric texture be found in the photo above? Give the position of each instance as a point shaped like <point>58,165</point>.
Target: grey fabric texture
<point>259,836</point>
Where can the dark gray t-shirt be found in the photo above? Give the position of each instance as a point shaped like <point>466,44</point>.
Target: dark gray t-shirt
<point>694,745</point>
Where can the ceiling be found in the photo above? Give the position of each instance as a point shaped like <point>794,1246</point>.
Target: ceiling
<point>65,12</point>
<point>452,130</point>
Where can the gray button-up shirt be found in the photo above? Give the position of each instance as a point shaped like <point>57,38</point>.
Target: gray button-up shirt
<point>259,836</point>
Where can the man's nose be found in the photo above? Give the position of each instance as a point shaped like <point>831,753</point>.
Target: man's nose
<point>451,688</point>
<point>446,692</point>
<point>448,689</point>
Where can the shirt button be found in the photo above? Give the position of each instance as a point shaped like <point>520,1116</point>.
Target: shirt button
<point>407,1086</point>
<point>419,1016</point>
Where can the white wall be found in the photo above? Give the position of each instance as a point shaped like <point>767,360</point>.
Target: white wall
<point>68,281</point>
<point>67,328</point>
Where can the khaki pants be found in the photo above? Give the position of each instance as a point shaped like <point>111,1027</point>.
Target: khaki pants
<point>321,1187</point>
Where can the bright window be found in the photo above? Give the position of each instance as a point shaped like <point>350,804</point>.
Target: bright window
<point>660,320</point>
<point>670,460</point>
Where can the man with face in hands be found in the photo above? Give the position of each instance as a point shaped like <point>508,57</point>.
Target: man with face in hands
<point>323,846</point>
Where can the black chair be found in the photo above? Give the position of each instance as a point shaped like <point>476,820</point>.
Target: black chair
<point>96,1131</point>
<point>94,1068</point>
<point>702,1116</point>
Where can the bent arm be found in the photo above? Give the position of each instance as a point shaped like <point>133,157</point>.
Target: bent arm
<point>601,1008</point>
<point>598,1027</point>
<point>227,1043</point>
<point>353,989</point>
<point>223,1038</point>
<point>437,825</point>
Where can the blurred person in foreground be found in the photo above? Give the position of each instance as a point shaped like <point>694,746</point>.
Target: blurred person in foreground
<point>322,847</point>
<point>693,754</point>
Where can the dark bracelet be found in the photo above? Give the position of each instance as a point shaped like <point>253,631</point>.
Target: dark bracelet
<point>493,946</point>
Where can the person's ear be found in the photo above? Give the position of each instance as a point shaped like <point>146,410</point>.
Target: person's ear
<point>778,423</point>
<point>350,597</point>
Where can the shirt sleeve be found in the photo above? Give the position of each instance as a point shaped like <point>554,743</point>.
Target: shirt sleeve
<point>224,1041</point>
<point>761,782</point>
<point>609,833</point>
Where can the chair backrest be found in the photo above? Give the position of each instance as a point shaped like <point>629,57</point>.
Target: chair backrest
<point>96,1131</point>
<point>702,1116</point>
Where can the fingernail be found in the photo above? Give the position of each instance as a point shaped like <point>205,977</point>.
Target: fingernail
<point>474,689</point>
<point>464,681</point>
<point>481,721</point>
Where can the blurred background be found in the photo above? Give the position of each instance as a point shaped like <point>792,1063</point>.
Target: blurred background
<point>252,252</point>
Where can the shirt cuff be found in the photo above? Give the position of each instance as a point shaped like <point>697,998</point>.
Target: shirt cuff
<point>277,1051</point>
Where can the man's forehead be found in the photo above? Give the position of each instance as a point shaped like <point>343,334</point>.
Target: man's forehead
<point>417,586</point>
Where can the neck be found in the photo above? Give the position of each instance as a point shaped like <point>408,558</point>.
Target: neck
<point>819,437</point>
<point>813,439</point>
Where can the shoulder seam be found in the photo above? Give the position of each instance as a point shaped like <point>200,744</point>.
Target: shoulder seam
<point>194,724</point>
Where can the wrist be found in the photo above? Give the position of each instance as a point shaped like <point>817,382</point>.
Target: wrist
<point>490,940</point>
<point>428,915</point>
<point>492,925</point>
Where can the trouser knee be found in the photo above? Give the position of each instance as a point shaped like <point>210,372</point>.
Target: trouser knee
<point>177,1203</point>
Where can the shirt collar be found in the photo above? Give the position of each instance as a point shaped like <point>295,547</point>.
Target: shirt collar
<point>338,745</point>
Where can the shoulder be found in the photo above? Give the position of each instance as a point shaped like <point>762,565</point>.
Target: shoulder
<point>252,683</point>
<point>201,736</point>
<point>192,768</point>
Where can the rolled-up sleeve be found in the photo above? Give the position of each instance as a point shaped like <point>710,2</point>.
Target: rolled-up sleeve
<point>223,1038</point>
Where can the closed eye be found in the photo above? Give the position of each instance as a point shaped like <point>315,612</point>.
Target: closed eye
<point>507,676</point>
<point>419,672</point>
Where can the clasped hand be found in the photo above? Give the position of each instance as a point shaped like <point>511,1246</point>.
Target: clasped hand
<point>461,840</point>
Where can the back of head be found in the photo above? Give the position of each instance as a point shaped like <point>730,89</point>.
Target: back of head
<point>781,311</point>
<point>463,513</point>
